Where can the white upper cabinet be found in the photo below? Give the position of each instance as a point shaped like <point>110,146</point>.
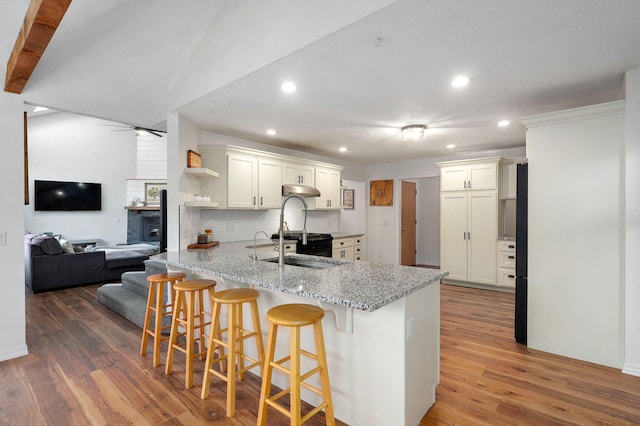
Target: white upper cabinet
<point>242,178</point>
<point>297,174</point>
<point>269,183</point>
<point>251,179</point>
<point>469,176</point>
<point>328,183</point>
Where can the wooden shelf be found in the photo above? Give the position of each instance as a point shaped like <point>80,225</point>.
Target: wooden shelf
<point>201,172</point>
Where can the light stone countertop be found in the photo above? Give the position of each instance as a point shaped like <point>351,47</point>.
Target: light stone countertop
<point>361,285</point>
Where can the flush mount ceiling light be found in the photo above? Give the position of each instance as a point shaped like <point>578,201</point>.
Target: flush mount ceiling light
<point>413,132</point>
<point>460,81</point>
<point>288,87</point>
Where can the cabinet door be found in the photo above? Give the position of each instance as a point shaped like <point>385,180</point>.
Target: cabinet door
<point>242,181</point>
<point>306,175</point>
<point>328,182</point>
<point>269,184</point>
<point>453,229</point>
<point>482,213</point>
<point>453,178</point>
<point>290,174</point>
<point>483,176</point>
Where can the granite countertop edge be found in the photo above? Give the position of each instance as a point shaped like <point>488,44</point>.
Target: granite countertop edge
<point>361,285</point>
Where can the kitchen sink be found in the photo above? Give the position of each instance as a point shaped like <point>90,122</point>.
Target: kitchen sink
<point>304,262</point>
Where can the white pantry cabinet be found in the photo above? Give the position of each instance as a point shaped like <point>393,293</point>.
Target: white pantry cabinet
<point>469,175</point>
<point>469,220</point>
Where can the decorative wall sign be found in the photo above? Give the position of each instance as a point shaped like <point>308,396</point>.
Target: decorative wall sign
<point>193,159</point>
<point>347,198</point>
<point>381,192</point>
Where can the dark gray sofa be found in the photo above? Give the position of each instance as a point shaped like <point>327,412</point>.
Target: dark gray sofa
<point>47,267</point>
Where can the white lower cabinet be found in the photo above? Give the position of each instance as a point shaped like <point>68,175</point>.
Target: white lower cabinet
<point>347,248</point>
<point>506,263</point>
<point>468,231</point>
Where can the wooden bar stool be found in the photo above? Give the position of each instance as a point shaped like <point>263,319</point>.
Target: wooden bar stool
<point>189,313</point>
<point>236,335</point>
<point>295,316</point>
<point>158,307</point>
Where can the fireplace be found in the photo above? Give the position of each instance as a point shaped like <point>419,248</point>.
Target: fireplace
<point>143,227</point>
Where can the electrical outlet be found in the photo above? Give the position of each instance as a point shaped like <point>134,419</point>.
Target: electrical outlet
<point>410,328</point>
<point>230,227</point>
<point>3,238</point>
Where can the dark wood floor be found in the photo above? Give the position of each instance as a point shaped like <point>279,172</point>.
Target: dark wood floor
<point>84,368</point>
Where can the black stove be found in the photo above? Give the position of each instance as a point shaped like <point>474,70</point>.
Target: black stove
<point>297,235</point>
<point>318,244</point>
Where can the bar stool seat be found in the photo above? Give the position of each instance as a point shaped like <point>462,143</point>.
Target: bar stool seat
<point>158,307</point>
<point>295,316</point>
<point>189,313</point>
<point>236,335</point>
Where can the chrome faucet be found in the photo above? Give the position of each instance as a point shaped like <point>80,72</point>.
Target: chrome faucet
<point>281,231</point>
<point>255,239</point>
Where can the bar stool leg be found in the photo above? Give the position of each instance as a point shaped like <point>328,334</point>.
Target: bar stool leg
<point>157,327</point>
<point>173,336</point>
<point>324,374</point>
<point>267,374</point>
<point>233,354</point>
<point>147,320</point>
<point>190,341</point>
<point>294,378</point>
<point>215,333</point>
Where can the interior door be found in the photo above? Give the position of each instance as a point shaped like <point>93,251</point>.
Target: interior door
<point>408,224</point>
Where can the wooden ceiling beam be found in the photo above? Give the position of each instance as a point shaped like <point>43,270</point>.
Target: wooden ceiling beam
<point>40,23</point>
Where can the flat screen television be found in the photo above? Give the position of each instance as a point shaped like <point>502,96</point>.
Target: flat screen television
<point>67,196</point>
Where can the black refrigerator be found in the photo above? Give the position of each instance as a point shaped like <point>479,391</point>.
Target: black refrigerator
<point>521,254</point>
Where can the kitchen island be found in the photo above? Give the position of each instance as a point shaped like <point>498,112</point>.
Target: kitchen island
<point>381,328</point>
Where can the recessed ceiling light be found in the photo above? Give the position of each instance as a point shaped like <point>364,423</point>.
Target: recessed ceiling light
<point>451,146</point>
<point>343,149</point>
<point>272,132</point>
<point>288,87</point>
<point>460,81</point>
<point>504,123</point>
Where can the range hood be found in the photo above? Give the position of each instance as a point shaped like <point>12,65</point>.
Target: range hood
<point>302,190</point>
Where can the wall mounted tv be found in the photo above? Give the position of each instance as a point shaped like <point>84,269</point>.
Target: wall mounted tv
<point>67,196</point>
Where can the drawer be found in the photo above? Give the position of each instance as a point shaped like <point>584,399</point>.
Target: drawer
<point>506,259</point>
<point>358,240</point>
<point>357,250</point>
<point>506,277</point>
<point>339,243</point>
<point>507,246</point>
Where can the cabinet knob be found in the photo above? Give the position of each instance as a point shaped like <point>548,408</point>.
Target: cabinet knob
<point>512,257</point>
<point>511,276</point>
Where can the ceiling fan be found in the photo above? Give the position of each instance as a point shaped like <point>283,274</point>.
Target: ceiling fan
<point>140,131</point>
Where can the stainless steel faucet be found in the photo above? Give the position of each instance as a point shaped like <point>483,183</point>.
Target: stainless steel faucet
<point>304,228</point>
<point>255,239</point>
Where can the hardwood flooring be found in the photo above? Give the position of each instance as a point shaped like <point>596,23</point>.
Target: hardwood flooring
<point>486,378</point>
<point>84,368</point>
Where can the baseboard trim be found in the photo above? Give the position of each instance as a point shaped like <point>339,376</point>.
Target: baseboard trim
<point>479,286</point>
<point>14,353</point>
<point>631,369</point>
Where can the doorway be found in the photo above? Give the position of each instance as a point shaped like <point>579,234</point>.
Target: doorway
<point>408,224</point>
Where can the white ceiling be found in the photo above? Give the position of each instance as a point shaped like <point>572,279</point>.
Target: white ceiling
<point>524,57</point>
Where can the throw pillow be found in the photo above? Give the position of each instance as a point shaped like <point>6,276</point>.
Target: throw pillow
<point>47,245</point>
<point>67,247</point>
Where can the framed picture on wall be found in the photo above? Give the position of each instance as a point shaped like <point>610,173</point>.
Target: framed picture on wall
<point>347,198</point>
<point>152,193</point>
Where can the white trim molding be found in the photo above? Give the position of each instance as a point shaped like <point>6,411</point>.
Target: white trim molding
<point>631,369</point>
<point>14,353</point>
<point>575,114</point>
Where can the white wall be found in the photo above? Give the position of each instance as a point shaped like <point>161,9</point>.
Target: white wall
<point>428,227</point>
<point>12,303</point>
<point>71,147</point>
<point>632,223</point>
<point>576,233</point>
